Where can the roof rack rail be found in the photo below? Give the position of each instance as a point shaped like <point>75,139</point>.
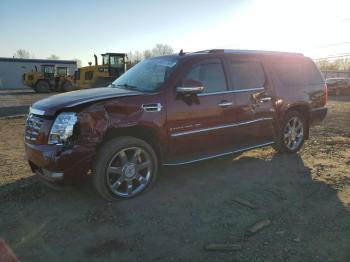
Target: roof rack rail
<point>244,51</point>
<point>211,51</point>
<point>216,51</point>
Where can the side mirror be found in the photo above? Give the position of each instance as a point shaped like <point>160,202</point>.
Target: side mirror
<point>190,87</point>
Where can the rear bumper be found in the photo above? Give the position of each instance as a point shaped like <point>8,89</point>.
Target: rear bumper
<point>54,163</point>
<point>317,115</point>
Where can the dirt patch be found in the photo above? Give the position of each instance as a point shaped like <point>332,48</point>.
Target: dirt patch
<point>304,197</point>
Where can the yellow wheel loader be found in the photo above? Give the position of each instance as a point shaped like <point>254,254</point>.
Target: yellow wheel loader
<point>50,78</point>
<point>113,65</point>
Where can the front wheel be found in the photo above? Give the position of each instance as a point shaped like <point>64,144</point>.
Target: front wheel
<point>124,168</point>
<point>42,87</point>
<point>291,136</point>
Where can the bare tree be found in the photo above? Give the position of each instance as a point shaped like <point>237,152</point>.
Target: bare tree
<point>162,49</point>
<point>53,57</point>
<point>337,64</point>
<point>21,53</point>
<point>158,50</point>
<point>147,53</point>
<point>134,58</point>
<point>137,57</point>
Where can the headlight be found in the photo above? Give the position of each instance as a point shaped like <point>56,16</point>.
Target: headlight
<point>62,128</point>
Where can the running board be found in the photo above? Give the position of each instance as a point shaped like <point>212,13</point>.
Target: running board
<point>206,157</point>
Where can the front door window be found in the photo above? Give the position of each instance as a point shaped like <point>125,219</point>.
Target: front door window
<point>210,73</point>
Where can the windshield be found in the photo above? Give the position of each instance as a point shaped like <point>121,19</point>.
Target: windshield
<point>47,69</point>
<point>105,59</point>
<point>62,71</point>
<point>116,61</point>
<point>148,75</point>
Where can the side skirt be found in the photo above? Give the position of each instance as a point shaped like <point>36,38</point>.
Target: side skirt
<point>206,157</point>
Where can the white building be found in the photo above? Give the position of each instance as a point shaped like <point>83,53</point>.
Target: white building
<point>12,70</point>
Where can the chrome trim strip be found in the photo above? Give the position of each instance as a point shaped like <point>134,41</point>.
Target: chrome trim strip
<point>36,111</point>
<point>220,127</point>
<point>318,109</point>
<point>231,91</point>
<point>222,154</point>
<point>225,104</point>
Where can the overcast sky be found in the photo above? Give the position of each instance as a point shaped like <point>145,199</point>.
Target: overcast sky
<point>80,28</point>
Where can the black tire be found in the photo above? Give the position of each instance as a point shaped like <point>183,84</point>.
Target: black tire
<point>42,87</point>
<point>284,139</point>
<point>67,86</point>
<point>111,153</point>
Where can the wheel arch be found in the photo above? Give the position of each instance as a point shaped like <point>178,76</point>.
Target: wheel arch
<point>147,134</point>
<point>41,80</point>
<point>304,109</point>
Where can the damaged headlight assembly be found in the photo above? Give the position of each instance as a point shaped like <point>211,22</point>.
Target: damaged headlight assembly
<point>62,128</point>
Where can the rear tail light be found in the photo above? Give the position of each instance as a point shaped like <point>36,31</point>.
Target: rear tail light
<point>325,95</point>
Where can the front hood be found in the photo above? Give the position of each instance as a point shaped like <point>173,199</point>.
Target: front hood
<point>50,105</point>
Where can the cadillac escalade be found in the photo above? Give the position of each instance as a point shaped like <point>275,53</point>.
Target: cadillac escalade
<point>174,110</point>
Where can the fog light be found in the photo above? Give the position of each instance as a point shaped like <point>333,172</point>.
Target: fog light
<point>53,175</point>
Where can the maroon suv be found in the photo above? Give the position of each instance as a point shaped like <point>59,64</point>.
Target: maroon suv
<point>174,110</point>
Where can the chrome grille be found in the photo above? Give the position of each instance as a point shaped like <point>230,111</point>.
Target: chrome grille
<point>33,127</point>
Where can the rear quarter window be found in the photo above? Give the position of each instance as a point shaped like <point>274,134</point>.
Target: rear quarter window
<point>297,72</point>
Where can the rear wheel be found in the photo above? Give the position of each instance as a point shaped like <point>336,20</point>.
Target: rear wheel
<point>67,86</point>
<point>124,168</point>
<point>42,87</point>
<point>291,136</point>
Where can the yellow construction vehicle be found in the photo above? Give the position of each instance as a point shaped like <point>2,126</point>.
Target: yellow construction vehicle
<point>113,65</point>
<point>49,78</point>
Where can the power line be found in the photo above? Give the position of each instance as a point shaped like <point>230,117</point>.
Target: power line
<point>330,45</point>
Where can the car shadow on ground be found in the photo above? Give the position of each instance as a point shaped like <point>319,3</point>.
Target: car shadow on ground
<point>191,206</point>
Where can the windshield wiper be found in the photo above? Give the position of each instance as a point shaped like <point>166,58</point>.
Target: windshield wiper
<point>112,85</point>
<point>128,86</point>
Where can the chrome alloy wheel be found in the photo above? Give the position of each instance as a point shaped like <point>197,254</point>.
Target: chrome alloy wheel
<point>293,133</point>
<point>129,171</point>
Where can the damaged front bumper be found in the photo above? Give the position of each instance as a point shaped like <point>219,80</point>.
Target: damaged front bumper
<point>55,162</point>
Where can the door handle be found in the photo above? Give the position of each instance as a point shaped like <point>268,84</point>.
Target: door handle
<point>265,99</point>
<point>224,104</point>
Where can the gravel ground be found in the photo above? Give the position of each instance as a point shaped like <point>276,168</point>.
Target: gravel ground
<point>14,102</point>
<point>301,203</point>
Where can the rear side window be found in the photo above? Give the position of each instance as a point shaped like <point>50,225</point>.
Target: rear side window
<point>297,72</point>
<point>211,73</point>
<point>247,75</point>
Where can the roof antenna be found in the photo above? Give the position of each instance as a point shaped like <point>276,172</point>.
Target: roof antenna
<point>181,52</point>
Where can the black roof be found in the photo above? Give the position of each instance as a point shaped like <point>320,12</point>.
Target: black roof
<point>39,61</point>
<point>113,54</point>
